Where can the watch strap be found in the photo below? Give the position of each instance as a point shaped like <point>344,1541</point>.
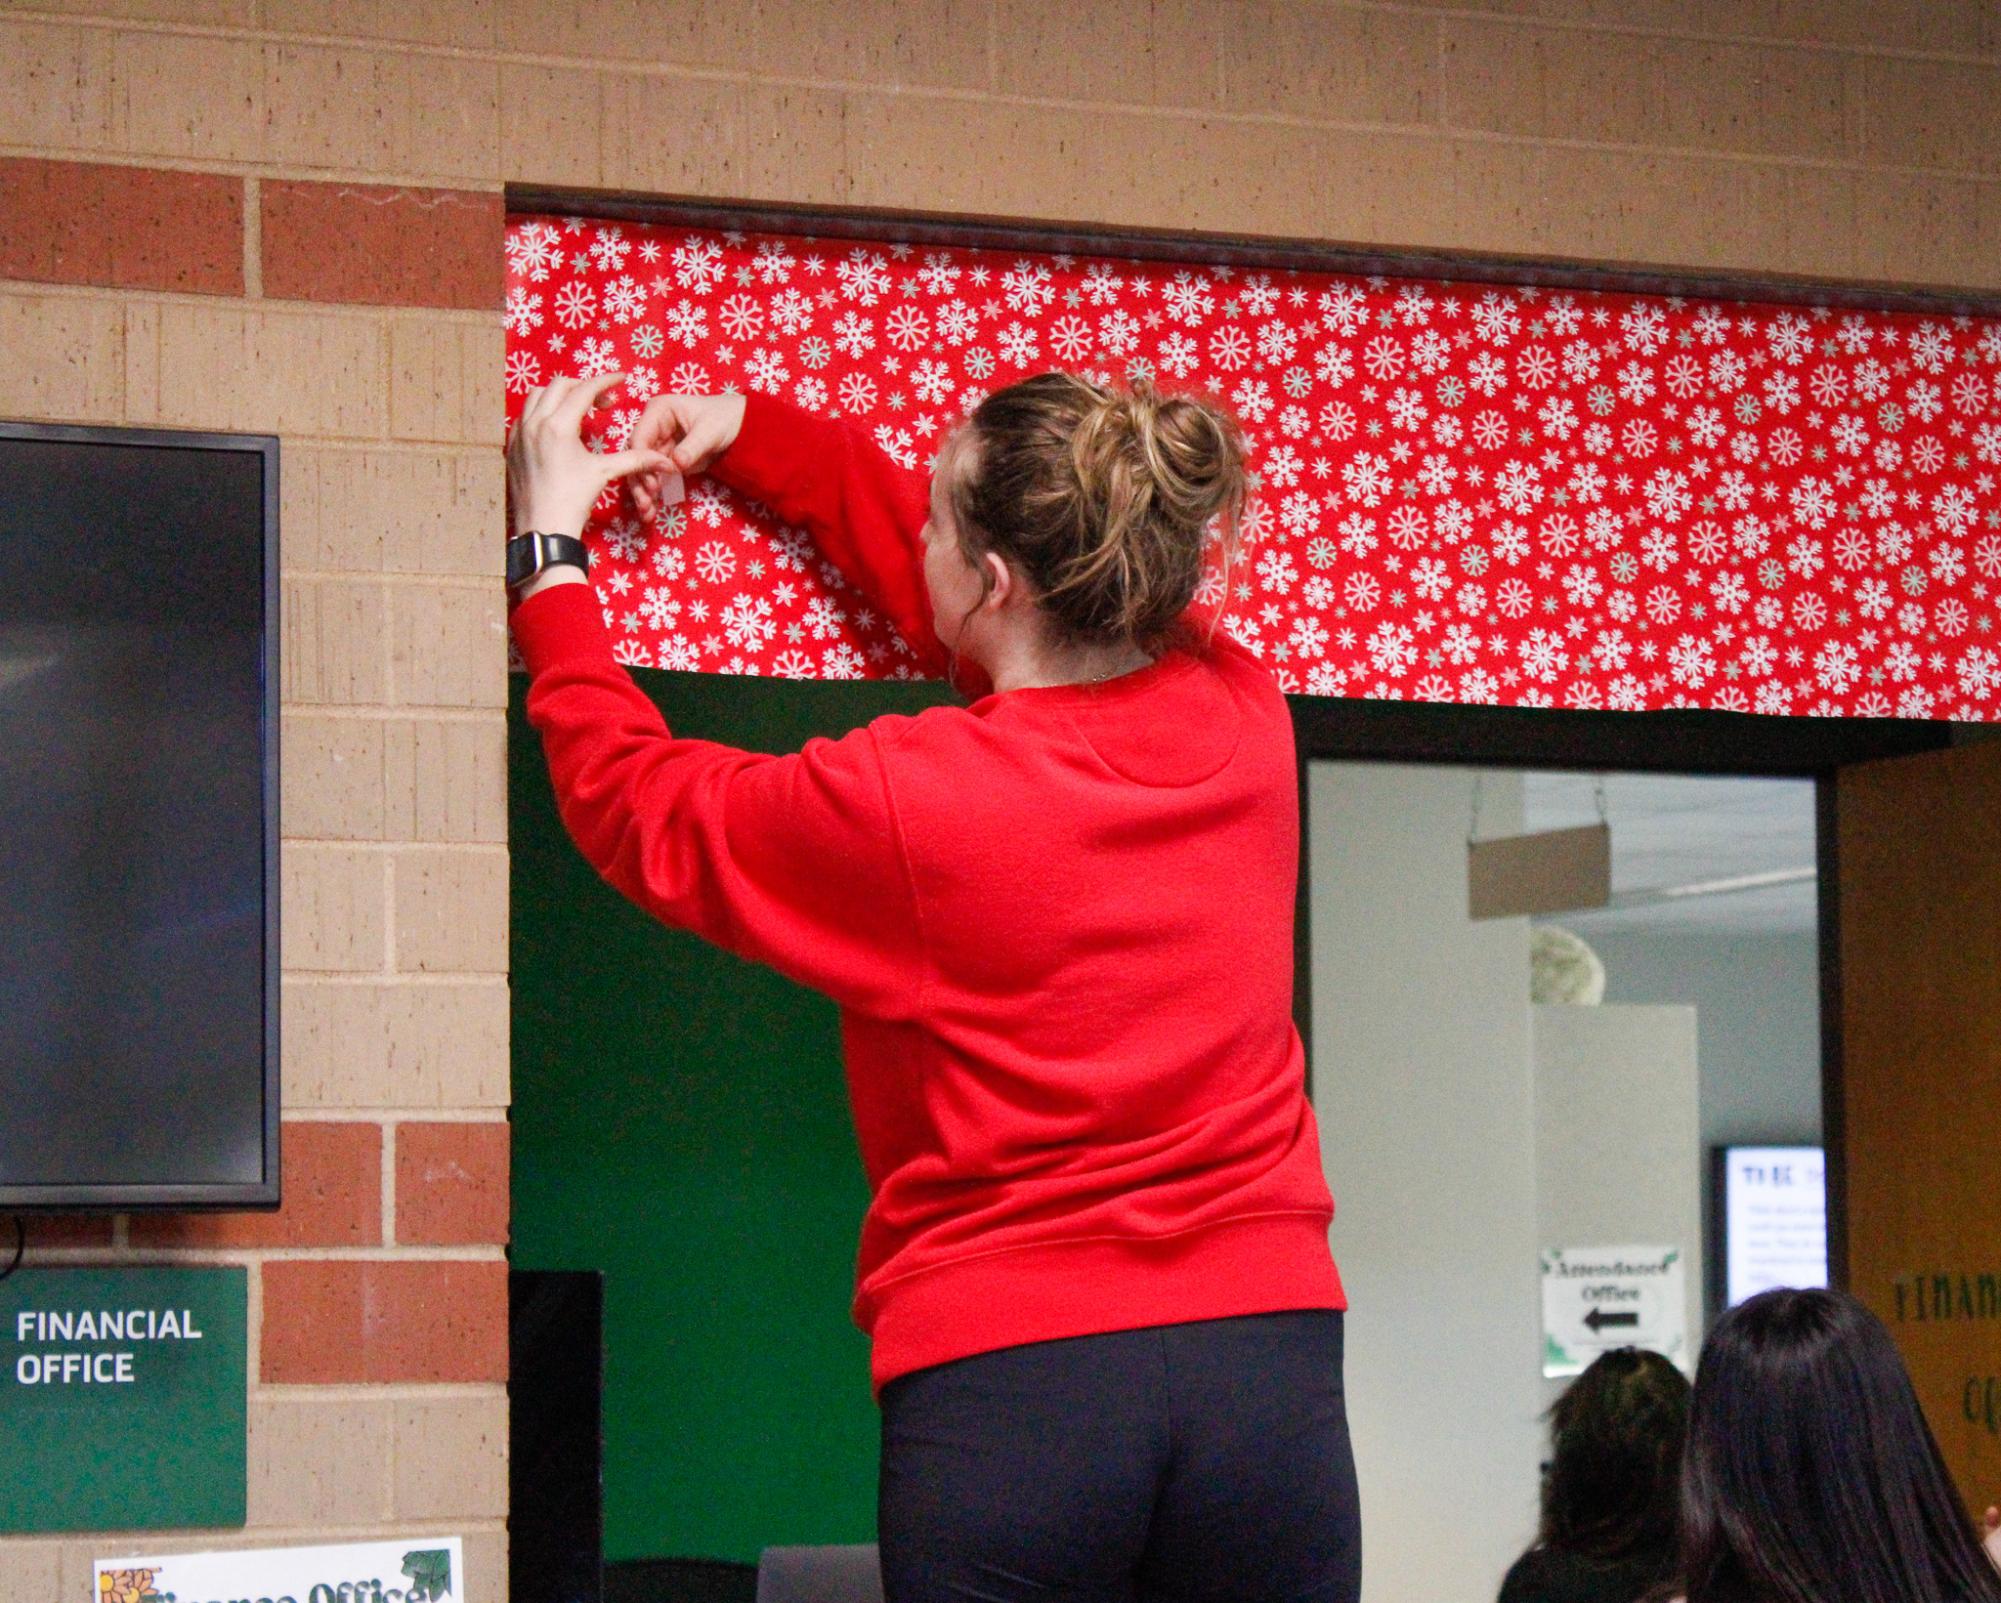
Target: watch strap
<point>529,554</point>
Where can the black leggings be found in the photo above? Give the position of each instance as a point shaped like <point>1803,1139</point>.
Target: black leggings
<point>1184,1462</point>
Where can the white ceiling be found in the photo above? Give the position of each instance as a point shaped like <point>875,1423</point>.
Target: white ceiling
<point>1668,831</point>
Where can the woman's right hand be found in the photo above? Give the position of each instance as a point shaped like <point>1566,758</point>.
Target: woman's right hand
<point>693,430</point>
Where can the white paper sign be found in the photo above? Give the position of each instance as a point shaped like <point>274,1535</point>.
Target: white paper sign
<point>414,1569</point>
<point>1598,1298</point>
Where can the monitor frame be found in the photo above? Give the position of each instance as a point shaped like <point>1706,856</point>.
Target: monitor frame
<point>262,1194</point>
<point>1716,1245</point>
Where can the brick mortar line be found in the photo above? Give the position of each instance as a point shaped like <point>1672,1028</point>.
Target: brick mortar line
<point>407,578</point>
<point>399,848</point>
<point>253,237</point>
<point>1854,103</point>
<point>256,1257</point>
<point>413,709</point>
<point>398,578</point>
<point>1636,30</point>
<point>385,342</point>
<point>1443,132</point>
<point>384,975</point>
<point>348,311</point>
<point>403,841</point>
<point>1432,129</point>
<point>349,443</point>
<point>506,57</point>
<point>483,1525</point>
<point>476,979</point>
<point>474,315</point>
<point>368,712</point>
<point>253,1331</point>
<point>398,1113</point>
<point>456,1114</point>
<point>275,172</point>
<point>408,1391</point>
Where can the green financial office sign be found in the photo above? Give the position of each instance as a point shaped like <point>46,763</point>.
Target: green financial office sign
<point>122,1395</point>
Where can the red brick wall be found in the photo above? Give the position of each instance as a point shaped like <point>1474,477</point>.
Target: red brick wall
<point>359,322</point>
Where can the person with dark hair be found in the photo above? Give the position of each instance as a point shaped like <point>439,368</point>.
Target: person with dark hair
<point>1609,1489</point>
<point>1106,1326</point>
<point>1811,1475</point>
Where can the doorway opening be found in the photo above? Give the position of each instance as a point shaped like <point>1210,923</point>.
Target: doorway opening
<point>1510,1084</point>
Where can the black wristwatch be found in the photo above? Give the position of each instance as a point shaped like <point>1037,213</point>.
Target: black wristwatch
<point>528,554</point>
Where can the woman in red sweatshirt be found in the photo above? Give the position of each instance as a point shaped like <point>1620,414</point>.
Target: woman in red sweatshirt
<point>1058,921</point>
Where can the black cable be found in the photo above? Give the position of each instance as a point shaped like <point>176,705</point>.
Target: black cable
<point>20,1246</point>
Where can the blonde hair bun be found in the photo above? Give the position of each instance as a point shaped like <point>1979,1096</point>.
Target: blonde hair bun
<point>1192,447</point>
<point>1103,497</point>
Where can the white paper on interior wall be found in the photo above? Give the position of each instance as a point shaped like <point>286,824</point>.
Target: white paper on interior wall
<point>415,1569</point>
<point>1597,1298</point>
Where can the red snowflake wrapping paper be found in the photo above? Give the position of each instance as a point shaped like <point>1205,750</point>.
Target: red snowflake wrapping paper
<point>1462,492</point>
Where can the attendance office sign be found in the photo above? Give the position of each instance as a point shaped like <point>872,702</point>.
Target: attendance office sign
<point>122,1398</point>
<point>1598,1298</point>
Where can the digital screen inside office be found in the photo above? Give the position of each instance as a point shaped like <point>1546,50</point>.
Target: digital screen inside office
<point>1774,1218</point>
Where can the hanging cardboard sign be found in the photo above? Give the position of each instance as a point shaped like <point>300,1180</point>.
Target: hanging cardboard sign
<point>1526,876</point>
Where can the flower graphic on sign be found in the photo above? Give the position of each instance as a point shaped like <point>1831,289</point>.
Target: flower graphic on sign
<point>126,1586</point>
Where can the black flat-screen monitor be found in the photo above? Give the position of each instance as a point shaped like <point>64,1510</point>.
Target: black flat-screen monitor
<point>1769,1212</point>
<point>138,819</point>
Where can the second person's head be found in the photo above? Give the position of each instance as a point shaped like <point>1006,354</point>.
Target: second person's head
<point>1811,1475</point>
<point>1615,1458</point>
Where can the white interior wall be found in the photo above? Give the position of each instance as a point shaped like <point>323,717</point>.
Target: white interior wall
<point>1423,1088</point>
<point>1618,1140</point>
<point>1759,1002</point>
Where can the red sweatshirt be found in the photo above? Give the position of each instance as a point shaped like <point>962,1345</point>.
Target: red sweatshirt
<point>1058,923</point>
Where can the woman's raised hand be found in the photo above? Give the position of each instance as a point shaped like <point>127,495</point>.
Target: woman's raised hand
<point>691,430</point>
<point>553,478</point>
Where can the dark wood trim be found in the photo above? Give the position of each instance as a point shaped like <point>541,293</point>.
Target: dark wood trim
<point>1833,1104</point>
<point>992,232</point>
<point>1302,941</point>
<point>1720,743</point>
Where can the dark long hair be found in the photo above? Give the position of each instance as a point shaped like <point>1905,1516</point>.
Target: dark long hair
<point>1615,1458</point>
<point>1811,1476</point>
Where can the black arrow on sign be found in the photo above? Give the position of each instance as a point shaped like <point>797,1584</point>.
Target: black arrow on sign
<point>1598,1319</point>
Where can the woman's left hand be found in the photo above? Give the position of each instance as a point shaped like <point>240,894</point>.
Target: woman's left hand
<point>553,478</point>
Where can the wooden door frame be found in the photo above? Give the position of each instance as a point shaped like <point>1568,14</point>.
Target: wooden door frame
<point>1712,744</point>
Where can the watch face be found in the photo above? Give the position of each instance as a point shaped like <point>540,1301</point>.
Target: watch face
<point>520,558</point>
<point>528,554</point>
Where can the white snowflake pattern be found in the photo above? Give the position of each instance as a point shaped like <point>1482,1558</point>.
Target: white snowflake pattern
<point>1760,509</point>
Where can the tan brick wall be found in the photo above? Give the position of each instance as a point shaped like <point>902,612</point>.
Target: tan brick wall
<point>359,147</point>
